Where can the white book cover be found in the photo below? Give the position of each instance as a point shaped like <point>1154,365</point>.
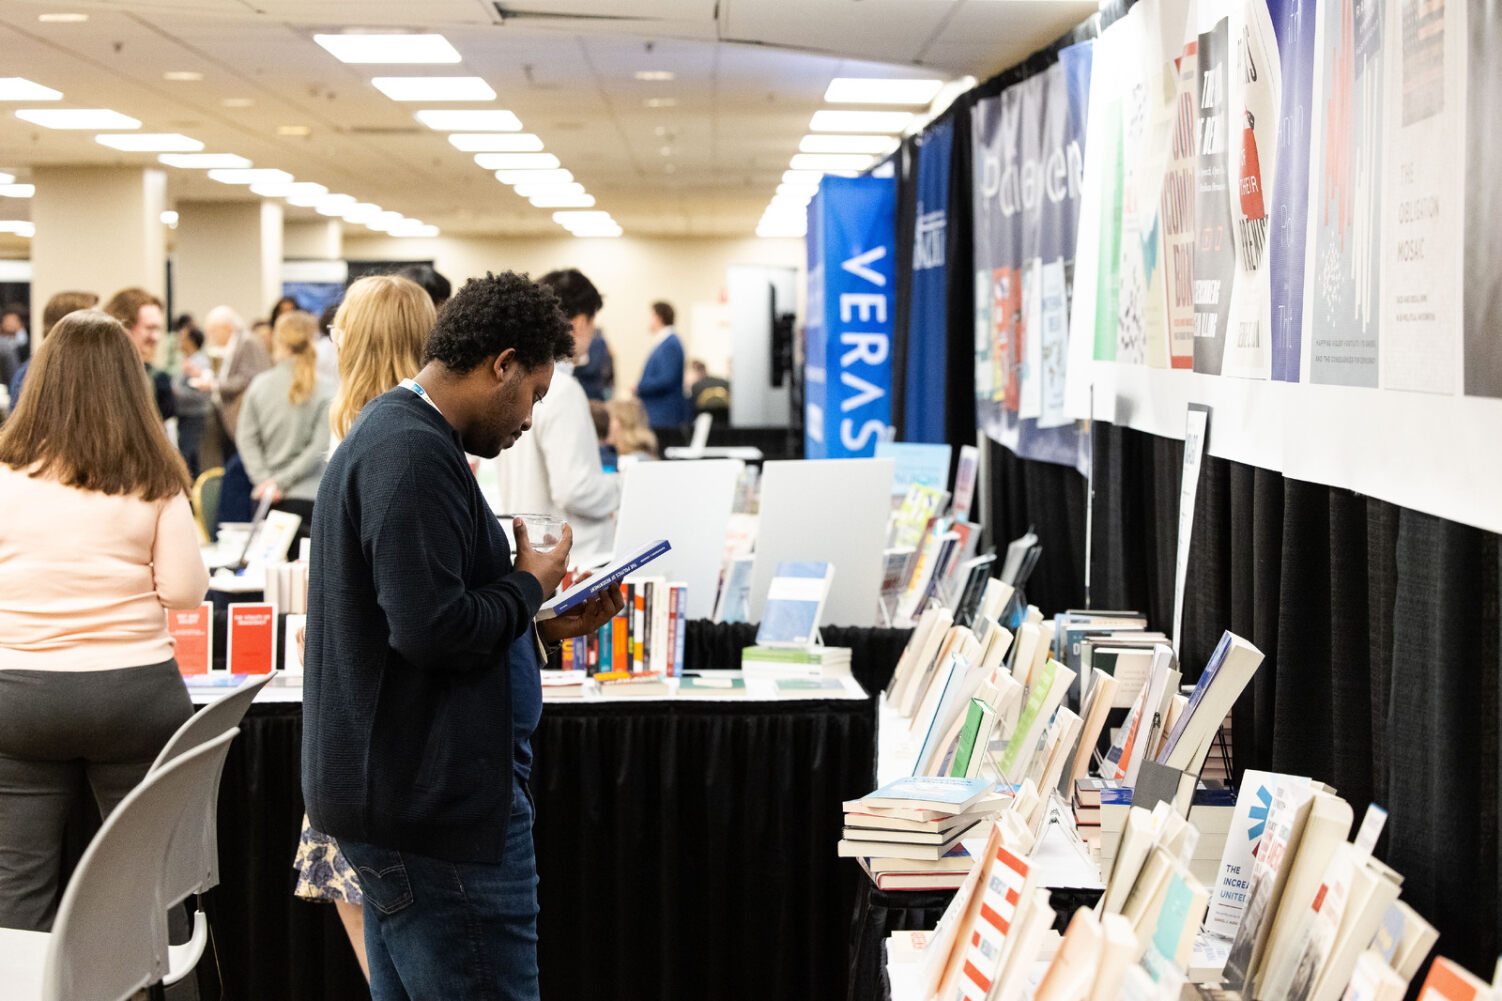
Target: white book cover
<point>795,603</point>
<point>902,675</point>
<point>1228,895</point>
<point>1325,831</point>
<point>1275,858</point>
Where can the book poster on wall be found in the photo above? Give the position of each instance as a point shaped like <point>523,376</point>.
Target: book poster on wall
<point>1215,253</point>
<point>1424,126</point>
<point>1294,25</point>
<point>1028,161</point>
<point>1483,236</point>
<point>1345,212</point>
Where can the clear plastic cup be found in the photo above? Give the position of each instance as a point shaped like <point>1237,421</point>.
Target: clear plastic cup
<point>544,531</point>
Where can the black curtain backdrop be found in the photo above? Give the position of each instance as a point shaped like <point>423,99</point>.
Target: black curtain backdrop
<point>1379,624</point>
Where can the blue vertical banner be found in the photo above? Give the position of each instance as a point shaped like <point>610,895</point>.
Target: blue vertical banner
<point>923,417</point>
<point>848,338</point>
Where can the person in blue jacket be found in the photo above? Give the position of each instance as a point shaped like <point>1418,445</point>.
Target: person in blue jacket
<point>661,386</point>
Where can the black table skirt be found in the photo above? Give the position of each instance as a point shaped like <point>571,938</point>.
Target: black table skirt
<point>684,851</point>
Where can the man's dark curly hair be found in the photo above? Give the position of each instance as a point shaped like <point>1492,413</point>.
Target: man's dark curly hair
<point>497,312</point>
<point>577,293</point>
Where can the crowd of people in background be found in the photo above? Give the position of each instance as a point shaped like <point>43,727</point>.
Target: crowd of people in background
<point>111,420</point>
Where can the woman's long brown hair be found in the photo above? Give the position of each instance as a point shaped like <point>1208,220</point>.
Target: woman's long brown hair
<point>86,419</point>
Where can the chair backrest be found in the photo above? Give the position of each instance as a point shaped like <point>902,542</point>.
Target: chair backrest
<point>213,719</point>
<point>110,936</point>
<point>206,501</point>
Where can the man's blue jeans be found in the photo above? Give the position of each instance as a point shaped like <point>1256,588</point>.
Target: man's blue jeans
<point>445,931</point>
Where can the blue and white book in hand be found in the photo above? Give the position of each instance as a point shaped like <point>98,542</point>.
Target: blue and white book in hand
<point>795,602</point>
<point>601,580</point>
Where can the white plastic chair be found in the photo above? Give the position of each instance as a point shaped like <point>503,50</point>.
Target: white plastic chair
<point>110,936</point>
<point>193,865</point>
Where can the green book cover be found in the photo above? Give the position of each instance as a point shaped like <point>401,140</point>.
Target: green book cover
<point>966,747</point>
<point>1035,699</point>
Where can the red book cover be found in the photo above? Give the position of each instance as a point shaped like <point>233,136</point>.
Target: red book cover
<point>192,633</point>
<point>251,648</point>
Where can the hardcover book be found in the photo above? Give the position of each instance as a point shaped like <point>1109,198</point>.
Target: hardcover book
<point>795,603</point>
<point>601,580</point>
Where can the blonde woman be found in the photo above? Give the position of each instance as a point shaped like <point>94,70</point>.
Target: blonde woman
<point>380,331</point>
<point>283,434</point>
<point>630,434</point>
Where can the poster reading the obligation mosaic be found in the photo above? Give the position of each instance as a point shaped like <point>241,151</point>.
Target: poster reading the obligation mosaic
<point>1345,212</point>
<point>1423,127</point>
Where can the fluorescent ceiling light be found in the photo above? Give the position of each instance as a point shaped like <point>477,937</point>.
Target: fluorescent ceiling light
<point>294,130</point>
<point>182,76</point>
<point>287,189</point>
<point>788,203</point>
<point>62,18</point>
<point>442,120</point>
<point>858,90</point>
<point>169,218</point>
<point>568,200</point>
<point>237,102</point>
<point>375,48</point>
<point>96,119</point>
<point>204,161</point>
<point>846,144</point>
<point>495,142</point>
<point>591,234</point>
<point>572,219</point>
<point>860,121</point>
<point>257,175</point>
<point>385,220</point>
<point>781,231</point>
<point>528,190</point>
<point>18,88</point>
<point>802,177</point>
<point>334,204</point>
<point>558,176</point>
<point>7,178</point>
<point>150,142</point>
<point>516,161</point>
<point>17,190</point>
<point>413,227</point>
<point>434,88</point>
<point>804,191</point>
<point>661,102</point>
<point>361,212</point>
<point>656,75</point>
<point>830,161</point>
<point>20,227</point>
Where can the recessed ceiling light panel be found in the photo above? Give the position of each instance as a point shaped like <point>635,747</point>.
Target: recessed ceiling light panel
<point>516,161</point>
<point>846,144</point>
<point>18,88</point>
<point>830,161</point>
<point>434,88</point>
<point>562,201</point>
<point>150,142</point>
<point>566,188</point>
<point>17,190</point>
<point>443,120</point>
<point>865,90</point>
<point>656,75</point>
<point>182,76</point>
<point>204,161</point>
<point>860,121</point>
<point>557,176</point>
<point>257,175</point>
<point>393,49</point>
<point>495,142</point>
<point>94,119</point>
<point>289,189</point>
<point>61,17</point>
<point>20,227</point>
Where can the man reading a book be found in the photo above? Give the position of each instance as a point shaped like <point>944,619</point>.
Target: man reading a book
<point>422,687</point>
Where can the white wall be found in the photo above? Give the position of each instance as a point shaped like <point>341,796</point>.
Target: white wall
<point>630,272</point>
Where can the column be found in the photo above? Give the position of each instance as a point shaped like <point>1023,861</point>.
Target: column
<point>227,253</point>
<point>320,239</point>
<point>98,229</point>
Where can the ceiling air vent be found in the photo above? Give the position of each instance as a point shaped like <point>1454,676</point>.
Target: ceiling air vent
<point>507,12</point>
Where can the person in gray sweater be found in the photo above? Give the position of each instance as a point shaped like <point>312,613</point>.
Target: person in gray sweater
<point>283,431</point>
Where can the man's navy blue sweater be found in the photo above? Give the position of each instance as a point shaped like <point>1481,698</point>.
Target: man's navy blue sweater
<point>413,604</point>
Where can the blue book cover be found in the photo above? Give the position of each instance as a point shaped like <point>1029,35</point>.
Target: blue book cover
<point>795,600</point>
<point>937,792</point>
<point>1207,678</point>
<point>600,581</point>
<point>915,462</point>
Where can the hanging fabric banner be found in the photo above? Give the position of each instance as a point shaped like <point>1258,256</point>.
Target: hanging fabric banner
<point>851,279</point>
<point>1028,164</point>
<point>923,407</point>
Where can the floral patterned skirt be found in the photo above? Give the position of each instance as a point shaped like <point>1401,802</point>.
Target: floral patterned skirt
<point>322,872</point>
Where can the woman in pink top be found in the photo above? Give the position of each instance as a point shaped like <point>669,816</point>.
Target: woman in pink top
<point>96,541</point>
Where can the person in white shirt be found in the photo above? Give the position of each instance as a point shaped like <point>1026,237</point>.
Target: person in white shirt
<point>556,468</point>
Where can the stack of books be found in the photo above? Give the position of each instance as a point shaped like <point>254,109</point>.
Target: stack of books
<point>907,833</point>
<point>795,662</point>
<point>1102,806</point>
<point>646,635</point>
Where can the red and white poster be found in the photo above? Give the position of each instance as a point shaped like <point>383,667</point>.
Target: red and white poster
<point>192,633</point>
<point>251,648</point>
